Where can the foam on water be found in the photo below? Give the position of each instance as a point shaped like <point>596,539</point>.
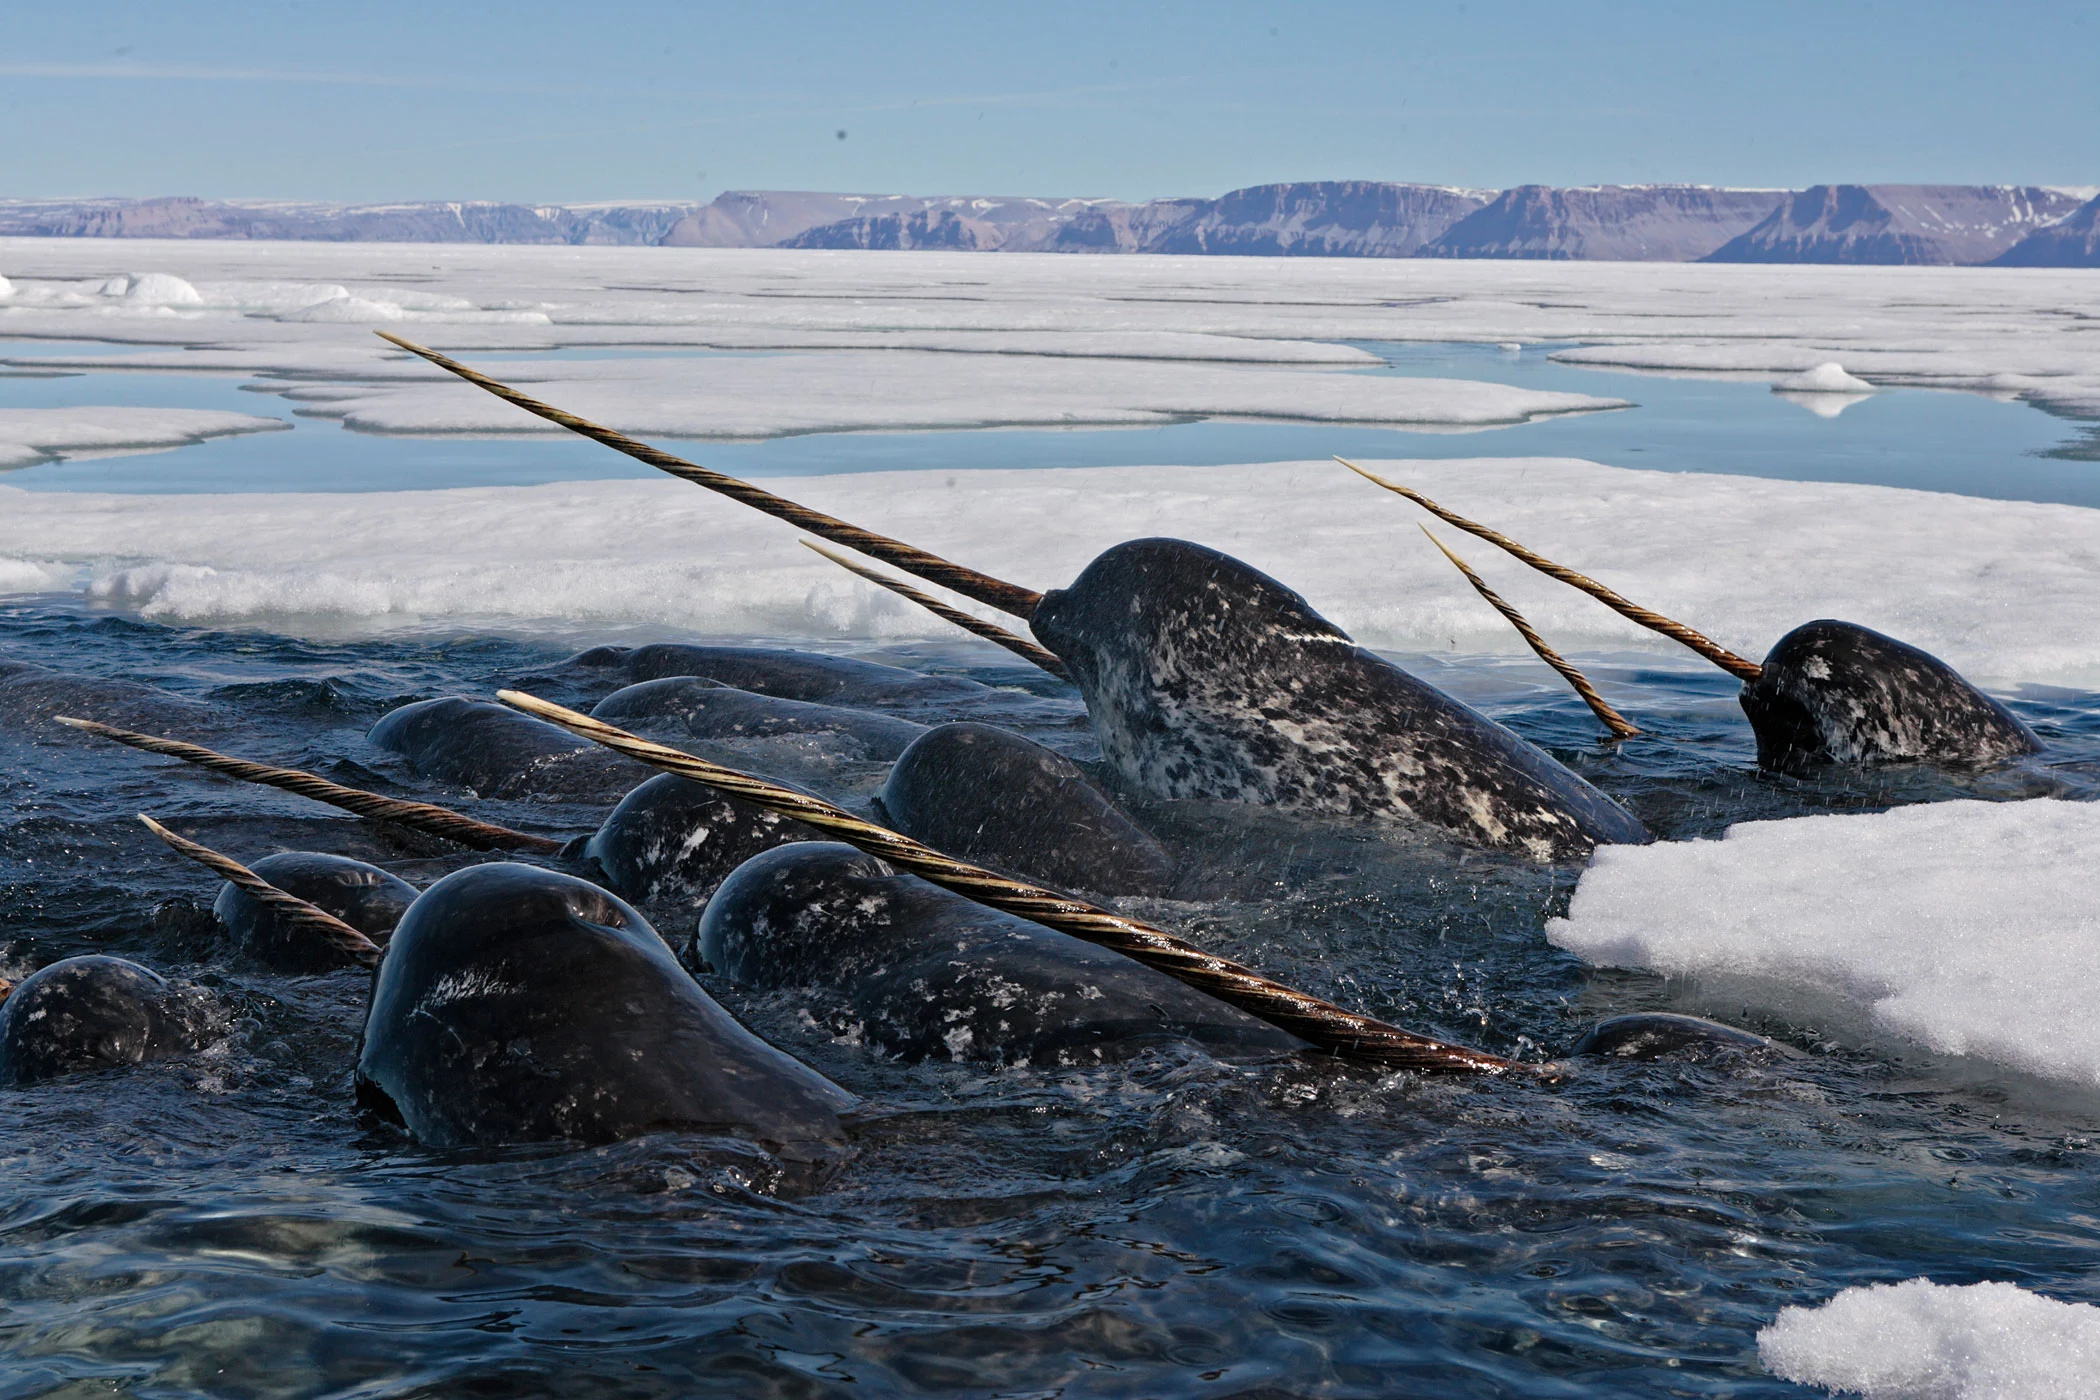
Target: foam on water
<point>1925,1341</point>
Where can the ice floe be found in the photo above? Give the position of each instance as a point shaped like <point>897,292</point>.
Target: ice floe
<point>1826,378</point>
<point>1920,1340</point>
<point>30,435</point>
<point>1972,928</point>
<point>1999,588</point>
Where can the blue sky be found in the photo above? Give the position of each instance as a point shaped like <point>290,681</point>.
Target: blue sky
<point>609,99</point>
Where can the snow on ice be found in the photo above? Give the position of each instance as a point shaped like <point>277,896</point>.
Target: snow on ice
<point>31,435</point>
<point>1925,1341</point>
<point>1971,928</point>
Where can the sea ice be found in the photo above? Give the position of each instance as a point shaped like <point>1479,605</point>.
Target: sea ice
<point>159,289</point>
<point>1996,587</point>
<point>1826,378</point>
<point>1972,928</point>
<point>31,435</point>
<point>346,310</point>
<point>1925,1341</point>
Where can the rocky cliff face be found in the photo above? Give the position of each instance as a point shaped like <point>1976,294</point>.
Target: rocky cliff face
<point>463,222</point>
<point>1917,224</point>
<point>2073,241</point>
<point>1322,218</point>
<point>1616,223</point>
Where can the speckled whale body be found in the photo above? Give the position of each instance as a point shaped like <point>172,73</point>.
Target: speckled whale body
<point>913,971</point>
<point>671,841</point>
<point>1650,1035</point>
<point>995,798</point>
<point>94,1012</point>
<point>363,896</point>
<point>494,751</point>
<point>31,694</point>
<point>516,1004</point>
<point>709,710</point>
<point>1205,678</point>
<point>1836,692</point>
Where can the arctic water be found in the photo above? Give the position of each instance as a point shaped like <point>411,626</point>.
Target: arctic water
<point>226,1223</point>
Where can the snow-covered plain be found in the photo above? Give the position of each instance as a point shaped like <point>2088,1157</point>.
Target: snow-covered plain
<point>1925,1341</point>
<point>1971,928</point>
<point>1999,588</point>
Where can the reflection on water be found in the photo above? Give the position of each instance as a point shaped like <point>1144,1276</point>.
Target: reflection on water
<point>226,1225</point>
<point>1932,440</point>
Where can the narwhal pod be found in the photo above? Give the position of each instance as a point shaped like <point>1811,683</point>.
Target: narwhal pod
<point>363,896</point>
<point>494,751</point>
<point>921,973</point>
<point>990,796</point>
<point>1837,692</point>
<point>672,840</point>
<point>708,709</point>
<point>516,1004</point>
<point>94,1012</point>
<point>1205,678</point>
<point>789,675</point>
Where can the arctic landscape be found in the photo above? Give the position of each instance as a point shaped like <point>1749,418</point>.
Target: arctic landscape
<point>232,514</point>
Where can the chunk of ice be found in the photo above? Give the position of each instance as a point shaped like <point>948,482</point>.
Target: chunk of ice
<point>1972,928</point>
<point>1921,1340</point>
<point>1826,378</point>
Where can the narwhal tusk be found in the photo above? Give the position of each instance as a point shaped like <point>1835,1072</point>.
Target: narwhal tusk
<point>314,920</point>
<point>1007,597</point>
<point>1020,646</point>
<point>1319,1022</point>
<point>421,816</point>
<point>1676,631</point>
<point>1618,724</point>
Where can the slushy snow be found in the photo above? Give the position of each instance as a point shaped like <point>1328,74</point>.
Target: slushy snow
<point>1925,1341</point>
<point>1996,587</point>
<point>1972,928</point>
<point>31,435</point>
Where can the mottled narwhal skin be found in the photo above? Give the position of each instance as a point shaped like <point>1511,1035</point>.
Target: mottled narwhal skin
<point>495,751</point>
<point>672,841</point>
<point>1836,692</point>
<point>992,797</point>
<point>1205,678</point>
<point>929,974</point>
<point>31,694</point>
<point>708,709</point>
<point>363,896</point>
<point>516,1004</point>
<point>1649,1035</point>
<point>93,1012</point>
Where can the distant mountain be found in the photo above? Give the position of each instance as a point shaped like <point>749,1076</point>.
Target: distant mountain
<point>2073,241</point>
<point>1321,218</point>
<point>468,222</point>
<point>1614,223</point>
<point>2008,225</point>
<point>1916,224</point>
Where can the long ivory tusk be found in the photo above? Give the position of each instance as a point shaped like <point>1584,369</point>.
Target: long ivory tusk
<point>421,816</point>
<point>1007,597</point>
<point>1618,724</point>
<point>991,631</point>
<point>317,921</point>
<point>1676,631</point>
<point>1322,1023</point>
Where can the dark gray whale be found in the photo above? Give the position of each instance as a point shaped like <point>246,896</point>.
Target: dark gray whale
<point>997,799</point>
<point>916,972</point>
<point>494,751</point>
<point>708,709</point>
<point>1836,692</point>
<point>94,1012</point>
<point>1205,678</point>
<point>1649,1035</point>
<point>671,841</point>
<point>789,675</point>
<point>516,1004</point>
<point>31,694</point>
<point>363,896</point>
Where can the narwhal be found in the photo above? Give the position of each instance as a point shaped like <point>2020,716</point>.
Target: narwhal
<point>1206,679</point>
<point>1828,692</point>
